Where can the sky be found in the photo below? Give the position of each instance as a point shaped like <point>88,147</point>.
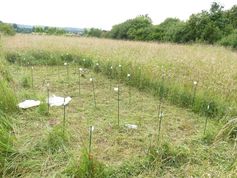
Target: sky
<point>101,14</point>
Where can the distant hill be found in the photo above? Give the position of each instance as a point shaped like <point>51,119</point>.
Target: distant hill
<point>21,28</point>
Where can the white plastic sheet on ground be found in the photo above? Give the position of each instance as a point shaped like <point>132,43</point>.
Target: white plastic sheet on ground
<point>28,104</point>
<point>131,126</point>
<point>58,100</point>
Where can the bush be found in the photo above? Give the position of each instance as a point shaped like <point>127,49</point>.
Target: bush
<point>230,40</point>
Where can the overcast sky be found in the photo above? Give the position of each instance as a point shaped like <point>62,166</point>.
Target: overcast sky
<point>98,13</point>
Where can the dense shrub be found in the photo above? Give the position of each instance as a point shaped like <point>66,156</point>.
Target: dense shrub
<point>230,40</point>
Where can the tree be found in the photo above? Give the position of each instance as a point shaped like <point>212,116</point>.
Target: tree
<point>132,29</point>
<point>7,29</point>
<point>168,30</point>
<point>232,16</point>
<point>93,32</point>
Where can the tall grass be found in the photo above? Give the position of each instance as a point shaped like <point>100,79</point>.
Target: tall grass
<point>180,94</point>
<point>8,101</point>
<point>6,141</point>
<point>87,167</point>
<point>4,72</point>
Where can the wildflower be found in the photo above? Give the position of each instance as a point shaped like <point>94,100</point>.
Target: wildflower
<point>97,64</point>
<point>91,79</point>
<point>120,65</point>
<point>111,67</point>
<point>65,63</point>
<point>195,82</point>
<point>116,89</point>
<point>128,75</point>
<point>80,69</point>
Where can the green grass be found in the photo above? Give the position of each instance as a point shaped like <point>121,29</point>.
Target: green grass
<point>40,146</point>
<point>140,78</point>
<point>44,151</point>
<point>8,99</point>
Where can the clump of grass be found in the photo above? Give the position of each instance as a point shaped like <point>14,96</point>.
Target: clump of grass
<point>87,166</point>
<point>86,63</point>
<point>43,109</point>
<point>6,141</point>
<point>8,101</point>
<point>13,57</point>
<point>56,140</point>
<point>208,138</point>
<point>97,68</point>
<point>229,131</point>
<point>4,73</point>
<point>67,57</point>
<point>166,156</point>
<point>25,82</point>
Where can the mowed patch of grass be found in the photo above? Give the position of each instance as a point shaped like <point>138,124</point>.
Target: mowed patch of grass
<point>183,150</point>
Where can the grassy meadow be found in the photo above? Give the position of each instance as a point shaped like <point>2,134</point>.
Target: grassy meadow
<point>35,143</point>
<point>213,67</point>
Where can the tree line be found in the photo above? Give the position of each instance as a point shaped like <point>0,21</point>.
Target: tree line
<point>49,30</point>
<point>215,26</point>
